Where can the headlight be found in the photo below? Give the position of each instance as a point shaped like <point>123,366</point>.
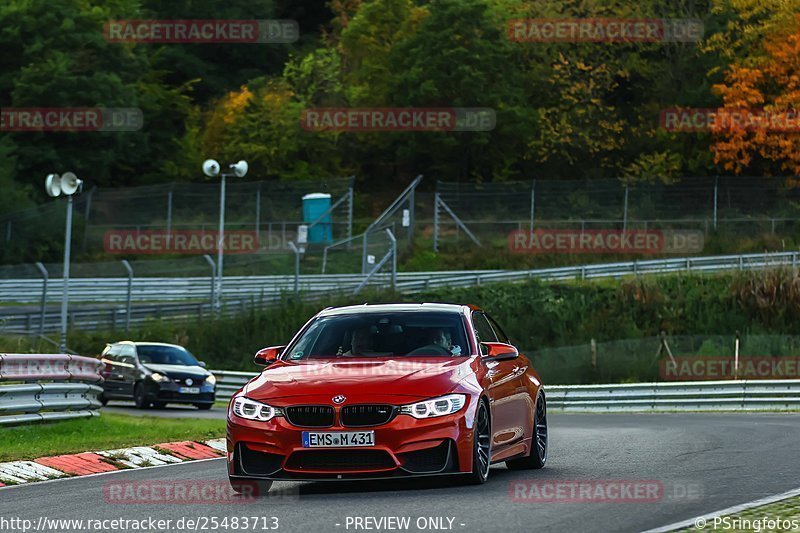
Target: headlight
<point>444,405</point>
<point>211,379</point>
<point>252,410</point>
<point>158,378</point>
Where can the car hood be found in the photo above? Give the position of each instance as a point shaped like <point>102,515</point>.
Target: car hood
<point>178,371</point>
<point>361,379</point>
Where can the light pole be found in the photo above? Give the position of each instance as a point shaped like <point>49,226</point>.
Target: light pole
<point>211,168</point>
<point>55,185</point>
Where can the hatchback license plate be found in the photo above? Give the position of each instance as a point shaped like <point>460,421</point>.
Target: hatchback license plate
<point>339,439</point>
<point>189,390</point>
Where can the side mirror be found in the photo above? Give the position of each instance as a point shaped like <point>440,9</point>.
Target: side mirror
<point>267,356</point>
<point>201,364</point>
<point>499,351</point>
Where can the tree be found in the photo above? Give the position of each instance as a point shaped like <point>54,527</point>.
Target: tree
<point>772,86</point>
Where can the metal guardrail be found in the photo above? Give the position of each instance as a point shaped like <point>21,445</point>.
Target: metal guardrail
<point>744,395</point>
<point>684,396</point>
<point>242,292</point>
<point>48,387</point>
<point>228,382</point>
<point>181,289</point>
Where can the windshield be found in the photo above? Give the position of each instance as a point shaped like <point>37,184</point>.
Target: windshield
<point>405,334</point>
<point>165,355</point>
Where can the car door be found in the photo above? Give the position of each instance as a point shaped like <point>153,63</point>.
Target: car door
<point>502,387</point>
<point>128,369</point>
<point>111,371</point>
<point>522,402</point>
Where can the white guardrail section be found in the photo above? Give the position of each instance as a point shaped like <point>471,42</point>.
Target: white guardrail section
<point>744,395</point>
<point>185,299</point>
<point>108,290</point>
<point>48,387</point>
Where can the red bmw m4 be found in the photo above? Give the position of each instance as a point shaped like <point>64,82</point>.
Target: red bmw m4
<point>387,391</point>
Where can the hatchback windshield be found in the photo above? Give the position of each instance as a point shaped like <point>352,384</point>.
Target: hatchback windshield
<point>165,355</point>
<point>407,334</point>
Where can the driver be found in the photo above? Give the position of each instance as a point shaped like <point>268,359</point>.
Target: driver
<point>361,343</point>
<point>439,342</point>
<point>441,337</point>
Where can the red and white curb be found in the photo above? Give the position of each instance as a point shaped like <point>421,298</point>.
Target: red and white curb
<point>82,464</point>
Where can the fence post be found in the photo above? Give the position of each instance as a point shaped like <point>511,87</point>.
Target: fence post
<point>258,212</point>
<point>129,298</point>
<point>716,191</point>
<point>436,222</point>
<point>394,257</point>
<point>736,356</point>
<point>593,345</point>
<point>213,278</point>
<point>533,203</point>
<point>296,266</point>
<point>625,212</point>
<point>410,218</point>
<point>364,253</point>
<point>169,216</point>
<point>86,217</point>
<point>43,306</point>
<point>350,214</point>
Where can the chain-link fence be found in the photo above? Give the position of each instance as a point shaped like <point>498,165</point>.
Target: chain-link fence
<point>484,214</point>
<point>182,218</point>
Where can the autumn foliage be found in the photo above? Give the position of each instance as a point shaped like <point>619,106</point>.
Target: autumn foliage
<point>769,87</point>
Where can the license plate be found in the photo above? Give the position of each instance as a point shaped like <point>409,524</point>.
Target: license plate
<point>338,439</point>
<point>189,390</point>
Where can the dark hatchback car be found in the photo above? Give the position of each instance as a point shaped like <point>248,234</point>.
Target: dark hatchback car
<point>153,373</point>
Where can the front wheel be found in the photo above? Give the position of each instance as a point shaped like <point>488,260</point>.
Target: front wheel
<point>538,454</point>
<point>481,446</point>
<point>204,406</point>
<point>251,488</point>
<point>138,397</point>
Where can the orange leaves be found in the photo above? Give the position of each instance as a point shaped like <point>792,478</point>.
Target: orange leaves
<point>770,87</point>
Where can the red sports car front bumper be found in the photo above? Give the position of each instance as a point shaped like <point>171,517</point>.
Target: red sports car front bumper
<point>404,446</point>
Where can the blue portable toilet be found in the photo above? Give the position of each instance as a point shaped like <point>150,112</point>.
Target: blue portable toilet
<point>314,205</point>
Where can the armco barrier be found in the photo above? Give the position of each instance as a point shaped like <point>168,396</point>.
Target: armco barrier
<point>744,395</point>
<point>187,299</point>
<point>48,387</point>
<point>228,382</point>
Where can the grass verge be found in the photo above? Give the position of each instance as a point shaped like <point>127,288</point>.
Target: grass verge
<point>783,515</point>
<point>106,432</point>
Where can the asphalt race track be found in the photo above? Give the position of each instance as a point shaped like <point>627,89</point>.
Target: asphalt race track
<point>723,459</point>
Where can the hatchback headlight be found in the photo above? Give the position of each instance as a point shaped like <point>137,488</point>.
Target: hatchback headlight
<point>211,379</point>
<point>252,410</point>
<point>158,378</point>
<point>444,405</point>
